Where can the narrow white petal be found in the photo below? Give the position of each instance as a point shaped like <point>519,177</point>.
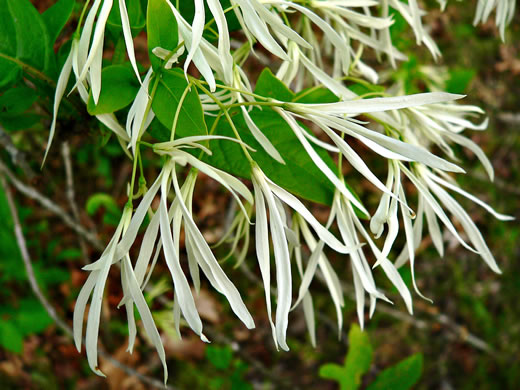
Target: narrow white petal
<point>489,209</point>
<point>318,161</point>
<point>129,306</point>
<point>196,30</point>
<point>262,252</point>
<point>432,202</point>
<point>127,34</point>
<point>309,273</point>
<point>308,312</point>
<point>182,287</point>
<point>282,260</point>
<point>330,276</point>
<point>146,315</point>
<point>469,226</point>
<point>80,306</point>
<point>434,229</point>
<point>91,338</point>
<point>63,79</point>
<point>261,138</point>
<point>466,142</point>
<point>97,40</point>
<point>410,243</point>
<point>321,231</point>
<point>147,247</point>
<point>224,45</point>
<point>226,287</point>
<point>360,106</point>
<point>360,297</point>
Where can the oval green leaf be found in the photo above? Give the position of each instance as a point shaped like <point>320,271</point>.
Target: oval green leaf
<point>119,90</point>
<point>161,29</point>
<point>168,94</point>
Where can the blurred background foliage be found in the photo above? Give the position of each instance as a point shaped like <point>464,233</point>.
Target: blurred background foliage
<point>468,339</point>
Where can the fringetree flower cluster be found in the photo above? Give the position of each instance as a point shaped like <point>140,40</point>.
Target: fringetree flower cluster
<point>289,137</point>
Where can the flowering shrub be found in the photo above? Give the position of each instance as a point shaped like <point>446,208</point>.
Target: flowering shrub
<point>288,133</point>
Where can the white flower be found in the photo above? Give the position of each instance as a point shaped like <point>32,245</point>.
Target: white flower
<point>95,286</point>
<point>164,227</point>
<point>350,226</point>
<point>412,14</point>
<point>267,192</point>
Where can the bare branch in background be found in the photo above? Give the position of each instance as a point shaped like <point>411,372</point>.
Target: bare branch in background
<point>71,193</point>
<point>20,240</point>
<point>51,206</point>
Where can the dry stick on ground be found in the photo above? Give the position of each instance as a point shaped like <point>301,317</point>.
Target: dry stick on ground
<point>22,245</point>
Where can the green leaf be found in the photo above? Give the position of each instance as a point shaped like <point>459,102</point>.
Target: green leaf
<point>135,16</point>
<point>316,95</point>
<point>101,200</point>
<point>459,80</point>
<point>356,364</point>
<point>13,106</point>
<point>119,89</point>
<point>17,100</point>
<point>161,29</point>
<point>56,17</point>
<point>24,41</point>
<point>220,357</point>
<point>269,86</point>
<point>402,376</point>
<point>171,87</point>
<point>10,336</point>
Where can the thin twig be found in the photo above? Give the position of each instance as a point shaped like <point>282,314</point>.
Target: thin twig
<point>70,192</point>
<point>512,118</point>
<point>51,206</point>
<point>17,156</point>
<point>22,245</point>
